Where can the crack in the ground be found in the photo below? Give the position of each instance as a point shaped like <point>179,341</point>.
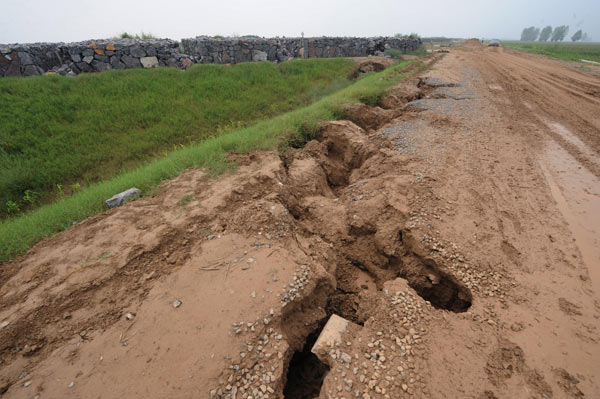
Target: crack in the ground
<point>340,154</point>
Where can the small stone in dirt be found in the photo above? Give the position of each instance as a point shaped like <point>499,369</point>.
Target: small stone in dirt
<point>27,383</point>
<point>5,324</point>
<point>346,357</point>
<point>71,384</point>
<point>176,303</point>
<point>129,316</point>
<point>253,294</point>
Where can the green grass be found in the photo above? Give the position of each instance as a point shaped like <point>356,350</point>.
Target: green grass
<point>294,128</point>
<point>142,35</point>
<point>186,199</point>
<point>61,134</point>
<point>568,51</point>
<point>397,54</point>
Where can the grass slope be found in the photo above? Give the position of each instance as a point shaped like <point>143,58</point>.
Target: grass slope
<point>59,134</point>
<point>18,234</point>
<point>568,51</point>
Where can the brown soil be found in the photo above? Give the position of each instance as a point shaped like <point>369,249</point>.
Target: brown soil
<point>473,43</point>
<point>373,64</point>
<point>456,228</point>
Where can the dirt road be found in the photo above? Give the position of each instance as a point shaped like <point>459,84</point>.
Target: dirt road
<point>457,230</point>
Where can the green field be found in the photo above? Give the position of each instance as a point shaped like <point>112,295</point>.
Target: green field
<point>568,51</point>
<point>61,134</point>
<point>294,128</point>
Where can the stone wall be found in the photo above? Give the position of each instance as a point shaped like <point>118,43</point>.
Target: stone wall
<point>99,55</point>
<point>90,56</point>
<point>225,51</point>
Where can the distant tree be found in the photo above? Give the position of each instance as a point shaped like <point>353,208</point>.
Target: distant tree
<point>585,38</point>
<point>577,36</point>
<point>524,34</point>
<point>559,33</point>
<point>530,34</point>
<point>546,33</point>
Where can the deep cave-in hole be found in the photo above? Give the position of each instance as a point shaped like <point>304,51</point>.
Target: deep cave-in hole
<point>306,372</point>
<point>345,305</point>
<point>441,289</point>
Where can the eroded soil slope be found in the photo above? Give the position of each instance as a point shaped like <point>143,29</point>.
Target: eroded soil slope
<point>438,225</point>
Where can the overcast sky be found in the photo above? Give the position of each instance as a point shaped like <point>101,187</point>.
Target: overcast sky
<point>26,21</point>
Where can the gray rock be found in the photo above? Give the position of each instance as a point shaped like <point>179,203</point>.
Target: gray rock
<point>87,52</point>
<point>137,52</point>
<point>258,55</point>
<point>131,62</point>
<point>101,57</point>
<point>76,57</point>
<point>25,58</point>
<point>149,62</point>
<point>100,66</point>
<point>150,51</point>
<point>30,70</point>
<point>84,67</point>
<point>121,198</point>
<point>116,63</point>
<point>88,59</point>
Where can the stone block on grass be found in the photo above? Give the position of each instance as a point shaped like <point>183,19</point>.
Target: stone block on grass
<point>121,198</point>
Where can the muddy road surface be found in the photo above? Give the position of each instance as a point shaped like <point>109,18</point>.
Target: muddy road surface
<point>445,245</point>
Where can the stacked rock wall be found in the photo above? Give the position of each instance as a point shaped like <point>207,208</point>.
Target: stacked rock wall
<point>90,56</point>
<point>225,51</point>
<point>100,55</point>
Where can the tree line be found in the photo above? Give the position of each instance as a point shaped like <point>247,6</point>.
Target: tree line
<point>557,34</point>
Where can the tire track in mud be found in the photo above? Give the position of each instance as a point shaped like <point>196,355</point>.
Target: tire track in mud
<point>555,97</point>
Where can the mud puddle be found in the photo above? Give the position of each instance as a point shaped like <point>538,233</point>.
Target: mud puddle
<point>577,194</point>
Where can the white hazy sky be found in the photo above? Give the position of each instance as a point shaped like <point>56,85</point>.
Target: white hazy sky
<point>27,21</point>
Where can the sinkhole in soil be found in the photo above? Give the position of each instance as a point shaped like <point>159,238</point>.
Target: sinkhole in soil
<point>433,284</point>
<point>306,372</point>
